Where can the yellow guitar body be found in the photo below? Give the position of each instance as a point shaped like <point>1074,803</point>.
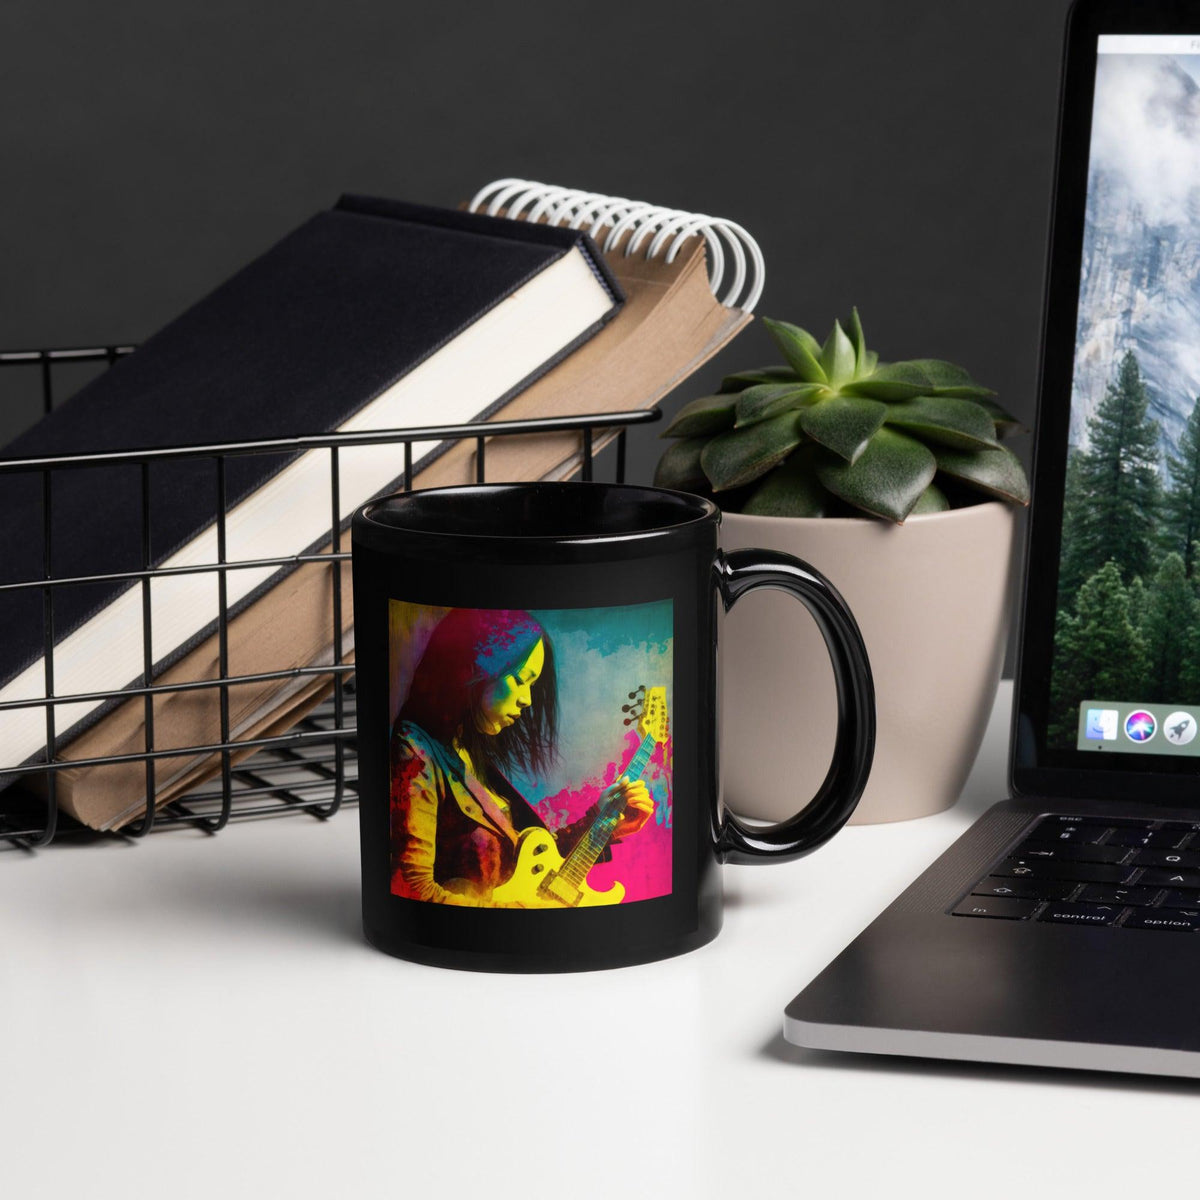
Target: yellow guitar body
<point>536,881</point>
<point>542,878</point>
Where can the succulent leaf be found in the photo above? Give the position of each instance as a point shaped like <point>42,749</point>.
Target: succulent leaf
<point>743,379</point>
<point>888,478</point>
<point>932,500</point>
<point>705,415</point>
<point>941,373</point>
<point>870,362</point>
<point>948,379</point>
<point>947,420</point>
<point>790,490</point>
<point>997,471</point>
<point>837,356</point>
<point>679,467</point>
<point>843,424</point>
<point>769,400</point>
<point>800,348</point>
<point>859,340</point>
<point>1005,422</point>
<point>975,391</point>
<point>806,339</point>
<point>890,382</point>
<point>743,455</point>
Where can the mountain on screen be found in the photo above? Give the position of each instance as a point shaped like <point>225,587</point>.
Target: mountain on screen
<point>1140,285</point>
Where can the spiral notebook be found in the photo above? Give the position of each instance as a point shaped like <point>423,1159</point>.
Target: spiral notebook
<point>690,284</point>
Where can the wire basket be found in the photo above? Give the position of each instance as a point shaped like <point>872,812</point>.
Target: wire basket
<point>310,769</point>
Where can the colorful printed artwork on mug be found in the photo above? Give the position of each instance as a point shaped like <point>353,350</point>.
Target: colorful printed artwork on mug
<point>531,755</point>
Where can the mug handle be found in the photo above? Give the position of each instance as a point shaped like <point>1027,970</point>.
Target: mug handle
<point>739,572</point>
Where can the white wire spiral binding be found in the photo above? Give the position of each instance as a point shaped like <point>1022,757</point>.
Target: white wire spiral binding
<point>670,228</point>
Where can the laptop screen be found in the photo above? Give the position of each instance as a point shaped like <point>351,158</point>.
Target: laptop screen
<point>1125,667</point>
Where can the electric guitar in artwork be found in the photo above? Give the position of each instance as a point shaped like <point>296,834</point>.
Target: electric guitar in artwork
<point>542,877</point>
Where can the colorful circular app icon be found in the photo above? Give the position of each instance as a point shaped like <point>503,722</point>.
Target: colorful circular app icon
<point>1179,728</point>
<point>1140,726</point>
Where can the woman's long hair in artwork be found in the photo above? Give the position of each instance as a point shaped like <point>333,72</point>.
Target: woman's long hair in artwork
<point>470,649</point>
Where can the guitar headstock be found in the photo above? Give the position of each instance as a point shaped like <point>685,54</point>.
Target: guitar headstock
<point>648,707</point>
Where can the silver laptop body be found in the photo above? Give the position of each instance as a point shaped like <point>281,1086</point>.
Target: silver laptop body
<point>1063,928</point>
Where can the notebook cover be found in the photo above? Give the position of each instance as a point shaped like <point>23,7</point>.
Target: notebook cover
<point>294,343</point>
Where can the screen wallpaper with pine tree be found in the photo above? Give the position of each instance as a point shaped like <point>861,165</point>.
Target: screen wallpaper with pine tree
<point>1128,619</point>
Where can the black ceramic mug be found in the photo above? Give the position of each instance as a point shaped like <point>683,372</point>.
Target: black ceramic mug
<point>537,723</point>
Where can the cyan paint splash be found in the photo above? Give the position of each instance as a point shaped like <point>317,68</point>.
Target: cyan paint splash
<point>609,630</point>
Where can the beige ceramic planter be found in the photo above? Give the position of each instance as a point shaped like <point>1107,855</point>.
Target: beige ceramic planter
<point>931,598</point>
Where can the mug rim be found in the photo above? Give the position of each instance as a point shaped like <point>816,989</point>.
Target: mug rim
<point>694,510</point>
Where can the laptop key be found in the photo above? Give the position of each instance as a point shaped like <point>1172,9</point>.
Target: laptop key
<point>1184,859</point>
<point>1178,899</point>
<point>1157,918</point>
<point>1099,822</point>
<point>1072,853</point>
<point>1003,907</point>
<point>1064,835</point>
<point>1028,889</point>
<point>1081,914</point>
<point>1099,893</point>
<point>1167,877</point>
<point>1157,839</point>
<point>1036,868</point>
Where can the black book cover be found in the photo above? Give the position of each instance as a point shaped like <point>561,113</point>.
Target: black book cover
<point>294,343</point>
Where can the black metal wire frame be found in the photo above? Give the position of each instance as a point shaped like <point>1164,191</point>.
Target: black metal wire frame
<point>320,749</point>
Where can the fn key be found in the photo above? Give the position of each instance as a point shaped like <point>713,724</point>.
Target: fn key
<point>999,906</point>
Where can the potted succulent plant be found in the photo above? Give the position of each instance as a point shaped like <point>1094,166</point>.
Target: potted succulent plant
<point>893,481</point>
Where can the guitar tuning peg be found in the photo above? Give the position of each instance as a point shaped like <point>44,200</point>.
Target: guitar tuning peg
<point>627,721</point>
<point>633,695</point>
<point>626,707</point>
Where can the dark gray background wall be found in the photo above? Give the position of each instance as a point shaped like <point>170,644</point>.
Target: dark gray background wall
<point>894,154</point>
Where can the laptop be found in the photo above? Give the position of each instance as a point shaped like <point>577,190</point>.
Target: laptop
<point>1063,928</point>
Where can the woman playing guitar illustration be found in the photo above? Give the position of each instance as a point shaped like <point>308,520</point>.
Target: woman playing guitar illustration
<point>484,701</point>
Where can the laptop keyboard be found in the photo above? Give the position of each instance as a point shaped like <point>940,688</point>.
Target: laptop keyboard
<point>1093,871</point>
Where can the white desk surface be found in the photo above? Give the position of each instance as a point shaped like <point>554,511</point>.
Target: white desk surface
<point>184,1019</point>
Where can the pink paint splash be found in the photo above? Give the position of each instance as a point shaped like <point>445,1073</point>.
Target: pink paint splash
<point>643,861</point>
